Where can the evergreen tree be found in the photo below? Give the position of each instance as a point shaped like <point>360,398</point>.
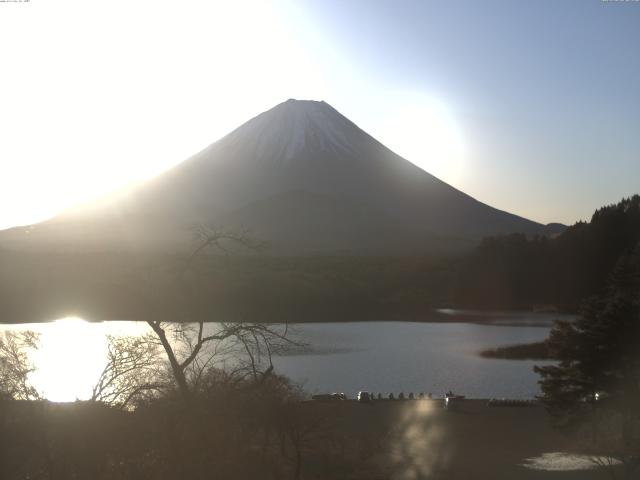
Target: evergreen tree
<point>598,376</point>
<point>516,271</point>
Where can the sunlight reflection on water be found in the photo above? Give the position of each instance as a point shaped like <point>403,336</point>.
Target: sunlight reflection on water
<point>381,356</point>
<point>72,354</point>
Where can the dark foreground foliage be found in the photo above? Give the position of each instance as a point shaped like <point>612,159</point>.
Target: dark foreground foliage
<point>596,385</point>
<point>239,431</point>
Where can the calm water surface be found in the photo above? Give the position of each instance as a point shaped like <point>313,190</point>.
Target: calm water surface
<point>413,357</point>
<point>342,357</point>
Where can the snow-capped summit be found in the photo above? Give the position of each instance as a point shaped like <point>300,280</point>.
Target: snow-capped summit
<point>290,127</point>
<point>307,179</point>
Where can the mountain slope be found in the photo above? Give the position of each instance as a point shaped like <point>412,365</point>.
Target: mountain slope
<point>303,177</point>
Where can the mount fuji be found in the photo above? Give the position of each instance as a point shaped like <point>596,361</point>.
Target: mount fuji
<point>300,176</point>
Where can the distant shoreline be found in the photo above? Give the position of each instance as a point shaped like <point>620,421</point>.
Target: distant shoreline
<point>524,351</point>
<point>479,317</point>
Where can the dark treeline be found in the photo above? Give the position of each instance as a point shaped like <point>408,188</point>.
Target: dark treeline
<point>108,285</point>
<point>504,272</point>
<point>527,351</point>
<point>514,271</point>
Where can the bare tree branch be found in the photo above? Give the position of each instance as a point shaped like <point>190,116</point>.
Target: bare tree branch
<point>15,366</point>
<point>133,366</point>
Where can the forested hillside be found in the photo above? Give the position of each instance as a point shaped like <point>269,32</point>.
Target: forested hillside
<point>503,272</point>
<point>513,271</point>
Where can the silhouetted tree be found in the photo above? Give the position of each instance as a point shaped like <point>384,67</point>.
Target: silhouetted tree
<point>186,345</point>
<point>133,369</point>
<point>15,365</point>
<point>191,352</point>
<point>597,381</point>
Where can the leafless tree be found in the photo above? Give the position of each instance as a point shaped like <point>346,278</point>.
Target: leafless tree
<point>223,240</point>
<point>244,348</point>
<point>133,368</point>
<point>15,365</point>
<point>191,350</point>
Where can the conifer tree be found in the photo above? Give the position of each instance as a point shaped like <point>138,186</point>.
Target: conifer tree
<point>598,375</point>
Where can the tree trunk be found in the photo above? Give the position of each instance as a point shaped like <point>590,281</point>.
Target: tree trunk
<point>176,369</point>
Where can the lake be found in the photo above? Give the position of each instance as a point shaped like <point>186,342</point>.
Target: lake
<point>412,357</point>
<point>339,357</point>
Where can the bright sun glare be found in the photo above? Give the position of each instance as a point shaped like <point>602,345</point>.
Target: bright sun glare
<point>422,130</point>
<point>71,356</point>
<point>137,104</point>
<point>82,118</point>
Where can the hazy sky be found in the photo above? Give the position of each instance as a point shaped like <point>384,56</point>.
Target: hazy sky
<point>532,107</point>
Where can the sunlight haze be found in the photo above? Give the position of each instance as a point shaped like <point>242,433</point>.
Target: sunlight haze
<point>319,239</point>
<point>97,95</point>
